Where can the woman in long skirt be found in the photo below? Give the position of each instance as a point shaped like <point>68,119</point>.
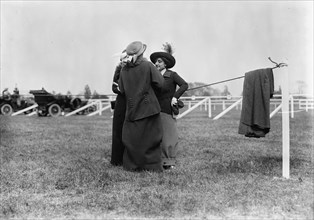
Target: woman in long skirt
<point>142,132</point>
<point>168,99</point>
<point>117,148</point>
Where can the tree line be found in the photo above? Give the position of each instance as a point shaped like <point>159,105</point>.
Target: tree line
<point>204,91</point>
<point>87,94</point>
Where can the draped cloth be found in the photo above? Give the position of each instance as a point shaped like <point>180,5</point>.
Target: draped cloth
<point>258,88</point>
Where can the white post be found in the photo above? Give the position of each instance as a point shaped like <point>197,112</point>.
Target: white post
<point>97,112</point>
<point>100,107</point>
<point>285,126</point>
<point>292,106</point>
<point>209,107</point>
<point>306,105</point>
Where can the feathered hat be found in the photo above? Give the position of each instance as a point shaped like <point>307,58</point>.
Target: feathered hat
<point>166,56</point>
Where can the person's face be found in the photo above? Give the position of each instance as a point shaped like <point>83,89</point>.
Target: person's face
<point>160,64</point>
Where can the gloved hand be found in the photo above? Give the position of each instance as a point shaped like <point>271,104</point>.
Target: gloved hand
<point>174,101</point>
<point>116,86</point>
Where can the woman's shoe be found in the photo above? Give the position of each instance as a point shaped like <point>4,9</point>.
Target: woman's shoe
<point>168,167</point>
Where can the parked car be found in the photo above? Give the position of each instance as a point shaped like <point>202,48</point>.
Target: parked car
<point>12,103</point>
<point>54,105</point>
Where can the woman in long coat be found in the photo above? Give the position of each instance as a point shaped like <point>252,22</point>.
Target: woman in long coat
<point>168,99</point>
<point>142,130</point>
<point>117,148</point>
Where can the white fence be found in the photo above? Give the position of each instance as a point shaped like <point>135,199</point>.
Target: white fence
<point>228,103</point>
<point>306,104</point>
<point>302,102</point>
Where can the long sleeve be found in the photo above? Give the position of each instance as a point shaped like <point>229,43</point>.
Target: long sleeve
<point>116,77</point>
<point>183,85</point>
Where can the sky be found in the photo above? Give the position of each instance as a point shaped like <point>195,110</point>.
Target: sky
<point>65,45</point>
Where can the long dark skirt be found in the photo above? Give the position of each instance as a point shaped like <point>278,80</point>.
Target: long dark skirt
<point>117,148</point>
<point>142,141</point>
<point>169,140</point>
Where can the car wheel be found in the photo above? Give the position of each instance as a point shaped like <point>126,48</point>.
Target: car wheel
<point>6,109</point>
<point>54,110</point>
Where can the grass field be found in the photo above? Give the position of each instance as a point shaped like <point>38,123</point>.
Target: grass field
<point>59,168</point>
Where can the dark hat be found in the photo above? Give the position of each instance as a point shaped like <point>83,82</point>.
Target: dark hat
<point>135,48</point>
<point>166,56</point>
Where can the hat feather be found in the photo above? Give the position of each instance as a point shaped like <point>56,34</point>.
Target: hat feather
<point>167,47</point>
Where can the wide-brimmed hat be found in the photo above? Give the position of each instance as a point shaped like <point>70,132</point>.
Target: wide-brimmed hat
<point>135,48</point>
<point>166,56</point>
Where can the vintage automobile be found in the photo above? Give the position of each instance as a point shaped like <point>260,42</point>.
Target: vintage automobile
<point>54,105</point>
<point>12,103</point>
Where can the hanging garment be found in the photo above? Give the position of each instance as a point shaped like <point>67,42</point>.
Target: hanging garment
<point>258,88</point>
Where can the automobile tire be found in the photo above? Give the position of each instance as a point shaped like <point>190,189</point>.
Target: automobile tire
<point>6,109</point>
<point>54,110</point>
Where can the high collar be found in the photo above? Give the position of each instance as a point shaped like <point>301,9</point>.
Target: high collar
<point>167,73</point>
<point>163,71</point>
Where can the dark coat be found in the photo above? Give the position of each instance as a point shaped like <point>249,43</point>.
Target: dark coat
<point>142,129</point>
<point>116,77</point>
<point>168,91</point>
<point>258,88</point>
<point>140,82</point>
<point>117,148</point>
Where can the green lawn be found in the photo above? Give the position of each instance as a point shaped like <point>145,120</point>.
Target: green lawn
<point>59,168</point>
